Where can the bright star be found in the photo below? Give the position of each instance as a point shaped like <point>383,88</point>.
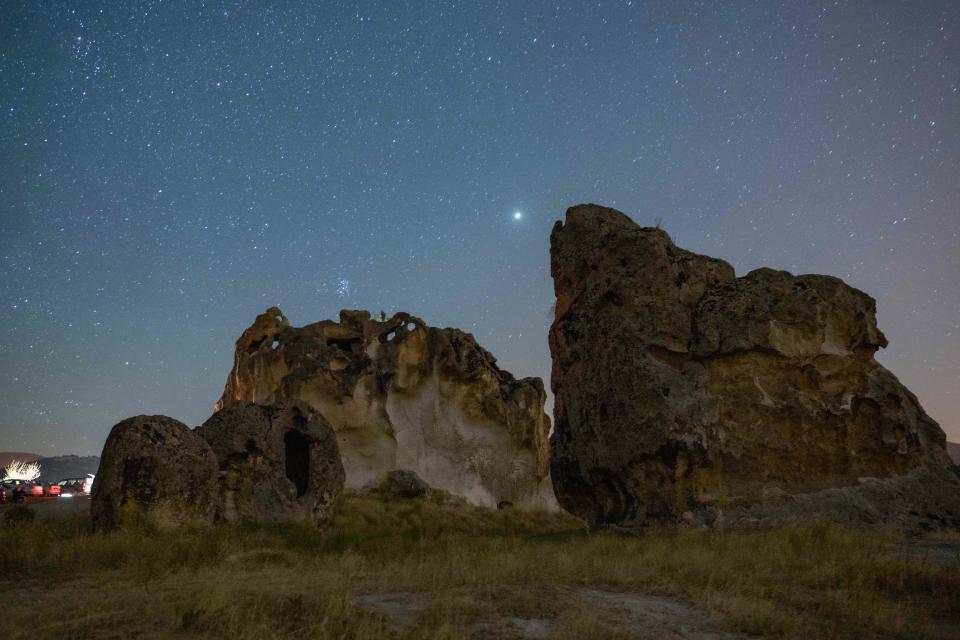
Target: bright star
<point>517,215</point>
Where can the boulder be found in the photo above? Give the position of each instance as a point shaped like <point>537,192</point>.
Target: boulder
<point>154,470</point>
<point>683,391</point>
<point>402,395</point>
<point>402,483</point>
<point>276,463</point>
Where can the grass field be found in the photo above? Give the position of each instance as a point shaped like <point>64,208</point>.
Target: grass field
<point>431,569</point>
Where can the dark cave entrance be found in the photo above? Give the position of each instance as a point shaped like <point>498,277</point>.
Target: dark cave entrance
<point>297,460</point>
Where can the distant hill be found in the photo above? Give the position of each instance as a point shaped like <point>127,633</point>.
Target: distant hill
<point>58,468</point>
<point>7,456</point>
<point>953,449</point>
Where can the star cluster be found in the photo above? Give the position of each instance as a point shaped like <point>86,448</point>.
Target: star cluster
<point>170,169</point>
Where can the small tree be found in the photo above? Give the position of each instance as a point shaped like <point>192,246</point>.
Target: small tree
<point>18,470</point>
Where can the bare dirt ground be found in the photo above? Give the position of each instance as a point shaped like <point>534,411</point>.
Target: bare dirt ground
<point>634,615</point>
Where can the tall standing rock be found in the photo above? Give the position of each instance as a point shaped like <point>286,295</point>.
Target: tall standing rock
<point>276,463</point>
<point>402,395</point>
<point>684,391</point>
<point>154,469</point>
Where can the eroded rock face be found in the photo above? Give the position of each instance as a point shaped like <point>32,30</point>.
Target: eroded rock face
<point>276,463</point>
<point>681,389</point>
<point>402,395</point>
<point>155,470</point>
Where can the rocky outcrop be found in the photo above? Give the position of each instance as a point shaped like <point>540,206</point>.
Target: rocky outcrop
<point>277,463</point>
<point>154,470</point>
<point>921,501</point>
<point>402,395</point>
<point>682,391</point>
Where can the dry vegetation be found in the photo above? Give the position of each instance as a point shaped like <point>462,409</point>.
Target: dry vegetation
<point>426,569</point>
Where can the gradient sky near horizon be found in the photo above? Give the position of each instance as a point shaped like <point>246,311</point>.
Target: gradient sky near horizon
<point>168,170</point>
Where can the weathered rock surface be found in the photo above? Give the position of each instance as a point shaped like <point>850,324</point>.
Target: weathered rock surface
<point>155,470</point>
<point>923,500</point>
<point>683,391</point>
<point>277,463</point>
<point>402,395</point>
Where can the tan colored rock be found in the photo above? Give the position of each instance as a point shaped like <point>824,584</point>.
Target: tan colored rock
<point>277,463</point>
<point>402,395</point>
<point>154,470</point>
<point>682,390</point>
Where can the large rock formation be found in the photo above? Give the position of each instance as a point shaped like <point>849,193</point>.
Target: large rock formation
<point>154,470</point>
<point>684,391</point>
<point>276,463</point>
<point>402,395</point>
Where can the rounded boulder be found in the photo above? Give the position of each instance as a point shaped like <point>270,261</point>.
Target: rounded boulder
<point>276,463</point>
<point>154,470</point>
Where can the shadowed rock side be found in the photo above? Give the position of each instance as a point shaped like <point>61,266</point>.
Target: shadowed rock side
<point>683,391</point>
<point>154,470</point>
<point>402,395</point>
<point>276,463</point>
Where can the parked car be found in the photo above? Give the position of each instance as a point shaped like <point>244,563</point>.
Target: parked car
<point>51,489</point>
<point>35,489</point>
<point>76,486</point>
<point>17,490</point>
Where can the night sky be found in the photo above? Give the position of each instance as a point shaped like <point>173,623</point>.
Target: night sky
<point>168,170</point>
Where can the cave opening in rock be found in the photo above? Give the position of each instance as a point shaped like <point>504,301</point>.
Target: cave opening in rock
<point>347,345</point>
<point>297,460</point>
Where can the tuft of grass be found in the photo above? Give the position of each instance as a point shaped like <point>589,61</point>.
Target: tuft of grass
<point>438,568</point>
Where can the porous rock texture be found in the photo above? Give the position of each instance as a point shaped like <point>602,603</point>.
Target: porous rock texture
<point>154,470</point>
<point>277,463</point>
<point>402,395</point>
<point>684,392</point>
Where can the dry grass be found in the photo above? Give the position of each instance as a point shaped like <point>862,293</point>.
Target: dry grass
<point>437,570</point>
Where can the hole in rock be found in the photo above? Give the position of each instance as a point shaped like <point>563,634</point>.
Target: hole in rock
<point>276,343</point>
<point>344,344</point>
<point>411,326</point>
<point>255,344</point>
<point>297,460</point>
<point>391,336</point>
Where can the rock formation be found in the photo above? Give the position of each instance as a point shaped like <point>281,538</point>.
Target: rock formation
<point>154,470</point>
<point>682,391</point>
<point>276,463</point>
<point>402,395</point>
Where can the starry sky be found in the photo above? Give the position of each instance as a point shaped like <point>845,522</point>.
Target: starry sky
<point>168,170</point>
